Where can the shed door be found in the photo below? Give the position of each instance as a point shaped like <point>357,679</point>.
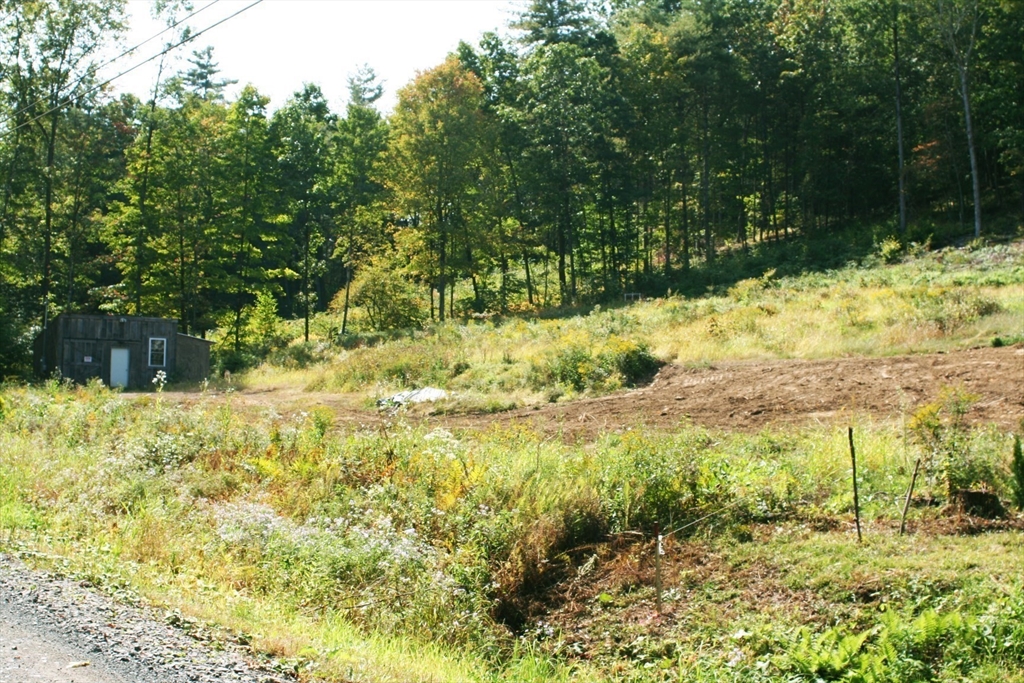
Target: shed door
<point>119,368</point>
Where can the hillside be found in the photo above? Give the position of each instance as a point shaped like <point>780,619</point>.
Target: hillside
<point>509,532</point>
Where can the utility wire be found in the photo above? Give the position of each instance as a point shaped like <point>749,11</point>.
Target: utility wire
<point>107,82</point>
<point>706,517</point>
<point>77,83</point>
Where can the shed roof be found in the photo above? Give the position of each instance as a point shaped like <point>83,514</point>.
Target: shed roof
<point>198,339</point>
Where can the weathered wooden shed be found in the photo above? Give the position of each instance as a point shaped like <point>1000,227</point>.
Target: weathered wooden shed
<point>121,350</point>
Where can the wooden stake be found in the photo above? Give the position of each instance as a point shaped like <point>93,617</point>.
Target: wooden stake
<point>856,499</point>
<point>657,567</point>
<point>910,492</point>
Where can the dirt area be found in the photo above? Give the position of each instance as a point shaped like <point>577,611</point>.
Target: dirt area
<point>736,395</point>
<point>749,396</point>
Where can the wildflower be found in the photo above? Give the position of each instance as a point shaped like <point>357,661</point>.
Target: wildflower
<point>159,380</point>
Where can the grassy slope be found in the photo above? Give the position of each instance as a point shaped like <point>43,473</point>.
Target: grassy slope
<point>412,555</point>
<point>934,301</point>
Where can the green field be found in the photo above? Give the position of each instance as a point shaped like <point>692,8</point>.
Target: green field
<point>406,553</point>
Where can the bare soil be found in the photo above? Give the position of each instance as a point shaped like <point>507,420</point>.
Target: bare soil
<point>751,395</point>
<point>734,395</point>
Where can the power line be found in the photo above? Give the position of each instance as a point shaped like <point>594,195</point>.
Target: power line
<point>77,83</point>
<point>107,82</point>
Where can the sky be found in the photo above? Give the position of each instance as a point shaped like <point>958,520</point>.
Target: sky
<point>278,45</point>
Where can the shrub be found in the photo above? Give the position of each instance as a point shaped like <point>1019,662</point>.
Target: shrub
<point>229,360</point>
<point>941,429</point>
<point>15,354</point>
<point>263,329</point>
<point>387,298</point>
<point>890,250</point>
<point>951,308</point>
<point>619,362</point>
<point>298,355</point>
<point>634,361</point>
<point>575,368</point>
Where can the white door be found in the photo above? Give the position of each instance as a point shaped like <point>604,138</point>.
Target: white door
<point>119,368</point>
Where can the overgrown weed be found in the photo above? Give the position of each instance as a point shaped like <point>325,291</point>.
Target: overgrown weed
<point>443,543</point>
<point>893,302</point>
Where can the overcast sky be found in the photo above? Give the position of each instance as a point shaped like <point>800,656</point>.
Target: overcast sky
<point>280,44</point>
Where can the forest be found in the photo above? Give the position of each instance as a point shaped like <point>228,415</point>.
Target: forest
<point>593,149</point>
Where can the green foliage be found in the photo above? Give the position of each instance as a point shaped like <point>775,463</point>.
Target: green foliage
<point>615,362</point>
<point>890,250</point>
<point>929,646</point>
<point>263,328</point>
<point>419,360</point>
<point>827,656</point>
<point>430,537</point>
<point>941,430</point>
<point>563,174</point>
<point>387,298</point>
<point>15,350</point>
<point>951,308</point>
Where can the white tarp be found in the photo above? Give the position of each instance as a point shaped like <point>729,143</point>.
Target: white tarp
<point>424,395</point>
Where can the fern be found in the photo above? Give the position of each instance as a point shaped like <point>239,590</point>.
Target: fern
<point>831,656</point>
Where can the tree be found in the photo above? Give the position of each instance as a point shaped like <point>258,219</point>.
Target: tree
<point>434,155</point>
<point>202,79</point>
<point>50,63</point>
<point>562,113</point>
<point>957,25</point>
<point>361,142</point>
<point>387,297</point>
<point>301,132</point>
<point>252,254</point>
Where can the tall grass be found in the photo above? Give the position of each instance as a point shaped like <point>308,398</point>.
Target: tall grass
<point>932,301</point>
<point>401,554</point>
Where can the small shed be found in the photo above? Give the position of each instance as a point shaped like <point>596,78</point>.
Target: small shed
<point>123,351</point>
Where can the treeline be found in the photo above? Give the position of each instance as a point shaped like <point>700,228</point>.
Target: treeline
<point>601,148</point>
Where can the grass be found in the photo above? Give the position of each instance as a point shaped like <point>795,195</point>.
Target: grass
<point>930,301</point>
<point>408,554</point>
<point>404,553</point>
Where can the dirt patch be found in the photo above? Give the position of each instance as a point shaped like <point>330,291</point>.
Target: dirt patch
<point>736,395</point>
<point>751,395</point>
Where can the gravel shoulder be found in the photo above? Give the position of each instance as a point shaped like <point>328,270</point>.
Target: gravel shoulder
<point>56,630</point>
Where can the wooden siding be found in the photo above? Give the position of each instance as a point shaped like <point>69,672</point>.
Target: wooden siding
<point>193,364</point>
<point>79,347</point>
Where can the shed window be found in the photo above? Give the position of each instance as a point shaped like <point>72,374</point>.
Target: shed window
<point>157,352</point>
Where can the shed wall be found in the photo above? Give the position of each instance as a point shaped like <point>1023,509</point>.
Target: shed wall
<point>193,359</point>
<point>80,346</point>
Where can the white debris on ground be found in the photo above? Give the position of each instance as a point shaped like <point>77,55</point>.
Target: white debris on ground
<point>424,395</point>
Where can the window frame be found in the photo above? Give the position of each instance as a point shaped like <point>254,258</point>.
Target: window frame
<point>149,356</point>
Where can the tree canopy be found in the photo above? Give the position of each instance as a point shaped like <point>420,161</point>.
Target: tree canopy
<point>598,148</point>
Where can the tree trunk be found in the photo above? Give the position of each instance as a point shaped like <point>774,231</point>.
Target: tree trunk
<point>668,226</point>
<point>965,95</point>
<point>529,280</point>
<point>705,183</point>
<point>442,264</point>
<point>51,149</point>
<point>348,287</point>
<point>899,125</point>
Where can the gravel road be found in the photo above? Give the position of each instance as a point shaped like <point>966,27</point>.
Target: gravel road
<point>55,630</point>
